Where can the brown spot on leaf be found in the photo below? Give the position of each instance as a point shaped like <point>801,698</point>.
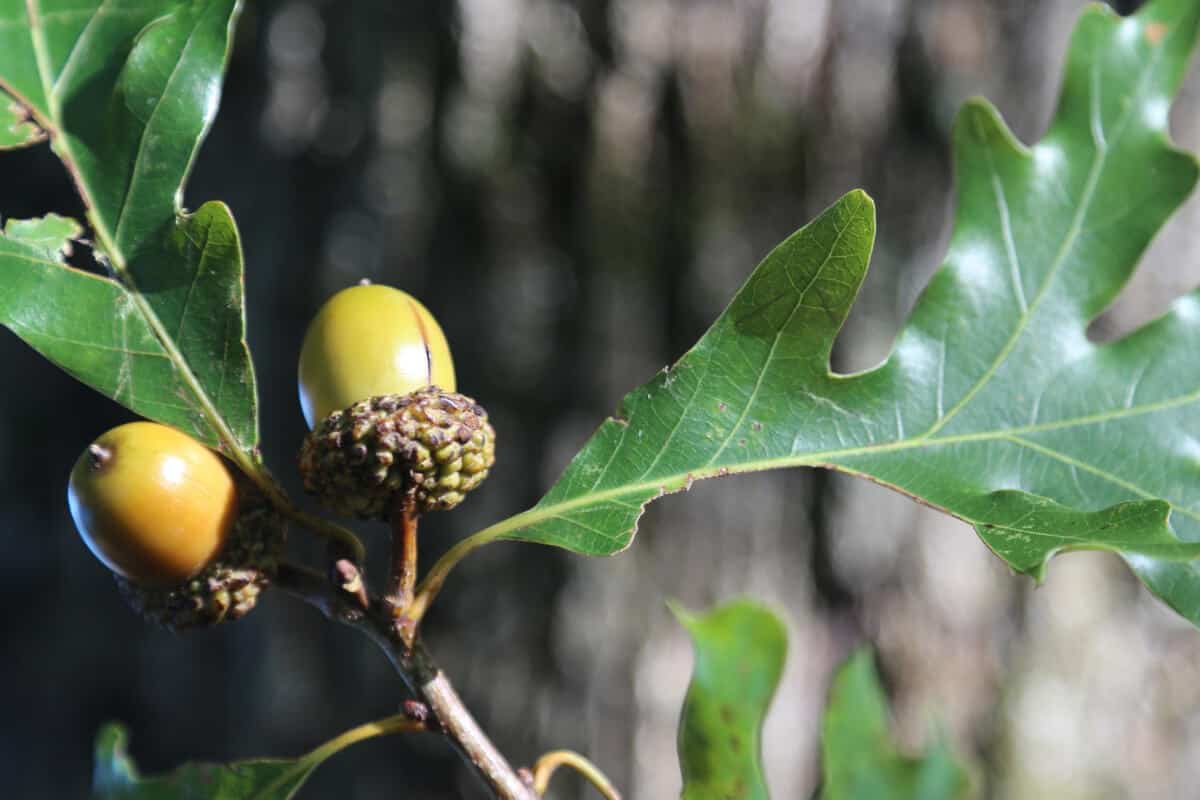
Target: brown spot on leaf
<point>1155,32</point>
<point>727,715</point>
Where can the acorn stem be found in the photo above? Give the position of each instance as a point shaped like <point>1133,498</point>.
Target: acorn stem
<point>403,577</point>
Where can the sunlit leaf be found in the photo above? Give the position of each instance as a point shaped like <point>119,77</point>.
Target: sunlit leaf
<point>16,128</point>
<point>50,235</point>
<point>126,91</point>
<point>993,405</point>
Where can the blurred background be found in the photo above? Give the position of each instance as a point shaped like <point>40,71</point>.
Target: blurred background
<point>576,189</point>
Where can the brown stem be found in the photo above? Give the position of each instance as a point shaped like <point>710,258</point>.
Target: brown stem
<point>418,671</point>
<point>402,579</point>
<point>404,554</point>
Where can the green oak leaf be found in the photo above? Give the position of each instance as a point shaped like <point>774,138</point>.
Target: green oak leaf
<point>16,128</point>
<point>740,649</point>
<point>858,759</point>
<point>126,92</point>
<point>50,235</point>
<point>993,405</point>
<point>115,776</point>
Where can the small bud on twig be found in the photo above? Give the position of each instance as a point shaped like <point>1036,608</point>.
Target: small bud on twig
<point>345,575</point>
<point>416,710</point>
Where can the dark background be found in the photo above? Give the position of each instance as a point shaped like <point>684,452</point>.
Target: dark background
<point>576,189</point>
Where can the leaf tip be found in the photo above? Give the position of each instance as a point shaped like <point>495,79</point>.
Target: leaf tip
<point>860,197</point>
<point>210,207</point>
<point>979,123</point>
<point>112,735</point>
<point>113,768</point>
<point>863,657</point>
<point>681,613</point>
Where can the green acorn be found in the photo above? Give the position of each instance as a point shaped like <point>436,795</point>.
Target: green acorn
<point>190,541</point>
<point>366,341</point>
<point>228,586</point>
<point>430,445</point>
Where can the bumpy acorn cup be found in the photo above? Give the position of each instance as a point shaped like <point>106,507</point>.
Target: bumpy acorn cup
<point>429,445</point>
<point>190,544</point>
<point>228,587</point>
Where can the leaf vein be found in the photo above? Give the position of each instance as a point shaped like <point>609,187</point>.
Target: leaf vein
<point>138,162</point>
<point>775,344</point>
<point>1075,463</point>
<point>70,62</point>
<point>1060,258</point>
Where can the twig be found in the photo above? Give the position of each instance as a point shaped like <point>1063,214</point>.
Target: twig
<point>419,673</point>
<point>547,764</point>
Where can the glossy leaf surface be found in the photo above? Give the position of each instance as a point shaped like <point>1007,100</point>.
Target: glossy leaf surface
<point>16,128</point>
<point>993,405</point>
<point>740,650</point>
<point>127,91</point>
<point>858,759</point>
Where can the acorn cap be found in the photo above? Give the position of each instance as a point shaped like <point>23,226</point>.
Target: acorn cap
<point>432,445</point>
<point>228,587</point>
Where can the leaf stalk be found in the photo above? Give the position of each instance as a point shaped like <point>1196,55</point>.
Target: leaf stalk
<point>433,581</point>
<point>545,767</point>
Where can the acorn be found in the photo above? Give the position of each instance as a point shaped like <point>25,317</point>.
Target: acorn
<point>189,543</point>
<point>366,341</point>
<point>377,388</point>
